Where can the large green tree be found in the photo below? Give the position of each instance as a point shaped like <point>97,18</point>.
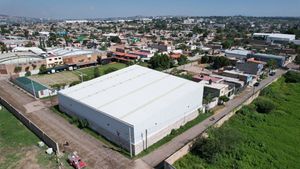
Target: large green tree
<point>160,62</point>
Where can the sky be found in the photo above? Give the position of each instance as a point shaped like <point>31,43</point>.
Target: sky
<point>80,9</point>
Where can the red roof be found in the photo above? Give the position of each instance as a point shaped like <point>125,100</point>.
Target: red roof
<point>175,56</point>
<point>119,58</point>
<point>120,54</point>
<point>140,53</point>
<point>131,56</point>
<point>255,61</point>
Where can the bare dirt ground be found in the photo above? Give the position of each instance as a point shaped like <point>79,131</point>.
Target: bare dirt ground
<point>93,152</point>
<point>29,160</point>
<point>66,77</point>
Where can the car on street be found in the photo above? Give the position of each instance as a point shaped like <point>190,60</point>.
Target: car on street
<point>256,84</point>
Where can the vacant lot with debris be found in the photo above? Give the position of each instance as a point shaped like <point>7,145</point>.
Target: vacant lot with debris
<point>18,146</point>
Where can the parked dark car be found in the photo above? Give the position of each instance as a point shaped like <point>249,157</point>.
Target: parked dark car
<point>256,84</point>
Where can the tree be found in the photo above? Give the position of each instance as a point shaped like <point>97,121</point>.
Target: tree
<point>227,44</point>
<point>26,33</point>
<point>18,69</point>
<point>204,59</point>
<point>160,61</point>
<point>96,72</point>
<point>182,60</point>
<point>99,59</point>
<point>220,62</point>
<point>272,64</point>
<point>224,98</point>
<point>292,77</point>
<point>43,68</point>
<point>115,39</point>
<point>197,30</point>
<point>207,99</point>
<point>264,105</point>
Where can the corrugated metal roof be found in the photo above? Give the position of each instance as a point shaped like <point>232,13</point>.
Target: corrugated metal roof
<point>140,96</point>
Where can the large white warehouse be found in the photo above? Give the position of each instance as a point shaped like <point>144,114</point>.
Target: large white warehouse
<point>134,105</point>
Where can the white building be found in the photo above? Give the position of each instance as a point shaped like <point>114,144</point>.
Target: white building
<point>238,54</point>
<point>134,107</point>
<point>275,37</point>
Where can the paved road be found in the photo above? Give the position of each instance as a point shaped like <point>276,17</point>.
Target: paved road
<point>95,153</point>
<point>159,155</point>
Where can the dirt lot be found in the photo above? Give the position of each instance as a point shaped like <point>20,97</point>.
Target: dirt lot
<point>95,153</point>
<point>57,78</point>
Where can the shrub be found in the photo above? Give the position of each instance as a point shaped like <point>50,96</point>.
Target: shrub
<point>17,69</point>
<point>292,77</point>
<point>75,83</point>
<point>28,73</point>
<point>96,72</point>
<point>43,68</point>
<point>83,123</point>
<point>221,140</point>
<point>224,98</point>
<point>246,110</point>
<point>74,120</point>
<point>204,59</point>
<point>264,105</point>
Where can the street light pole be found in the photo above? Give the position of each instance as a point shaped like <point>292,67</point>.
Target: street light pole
<point>81,76</point>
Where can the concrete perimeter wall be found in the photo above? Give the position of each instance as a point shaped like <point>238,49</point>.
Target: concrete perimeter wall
<point>31,126</point>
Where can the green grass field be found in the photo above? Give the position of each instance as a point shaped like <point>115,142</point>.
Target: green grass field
<point>267,140</point>
<point>18,145</point>
<point>89,72</point>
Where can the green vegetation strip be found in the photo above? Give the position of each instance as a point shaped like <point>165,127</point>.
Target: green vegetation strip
<point>115,147</point>
<point>16,142</point>
<point>175,133</point>
<point>264,134</point>
<point>92,72</point>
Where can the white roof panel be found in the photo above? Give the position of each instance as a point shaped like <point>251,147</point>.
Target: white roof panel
<point>140,96</point>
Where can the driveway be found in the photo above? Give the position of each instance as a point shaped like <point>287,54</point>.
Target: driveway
<point>95,153</point>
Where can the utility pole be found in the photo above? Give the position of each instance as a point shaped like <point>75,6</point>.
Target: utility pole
<point>81,75</point>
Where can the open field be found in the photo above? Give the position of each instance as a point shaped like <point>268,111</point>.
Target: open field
<point>88,73</point>
<point>18,146</point>
<point>267,140</point>
<point>68,77</point>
